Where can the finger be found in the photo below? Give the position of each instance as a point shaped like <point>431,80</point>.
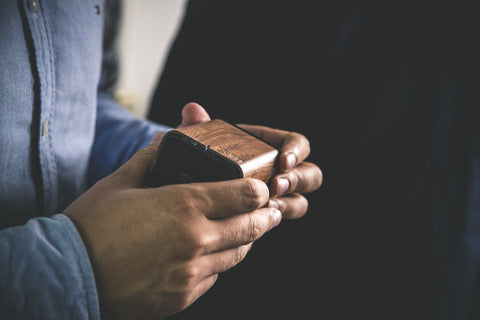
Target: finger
<point>193,113</point>
<point>200,289</point>
<point>306,177</point>
<point>294,147</point>
<point>222,261</point>
<point>292,206</point>
<point>204,286</point>
<point>132,173</point>
<point>244,228</point>
<point>228,198</point>
<point>157,137</point>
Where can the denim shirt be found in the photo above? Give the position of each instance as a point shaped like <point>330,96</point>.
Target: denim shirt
<point>58,132</point>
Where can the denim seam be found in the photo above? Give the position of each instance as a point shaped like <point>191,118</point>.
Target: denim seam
<point>51,85</point>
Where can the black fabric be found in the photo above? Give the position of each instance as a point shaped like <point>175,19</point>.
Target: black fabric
<point>387,93</point>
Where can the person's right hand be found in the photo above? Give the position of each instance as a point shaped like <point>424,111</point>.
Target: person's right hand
<point>155,251</point>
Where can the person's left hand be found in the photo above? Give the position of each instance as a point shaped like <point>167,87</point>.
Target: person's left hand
<point>296,176</point>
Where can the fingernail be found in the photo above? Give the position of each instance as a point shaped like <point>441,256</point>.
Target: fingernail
<point>291,160</point>
<point>277,217</point>
<point>282,186</point>
<point>273,203</point>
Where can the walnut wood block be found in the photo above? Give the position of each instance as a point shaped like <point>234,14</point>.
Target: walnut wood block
<point>256,158</point>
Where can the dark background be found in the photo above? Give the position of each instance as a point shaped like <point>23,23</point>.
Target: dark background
<point>387,93</point>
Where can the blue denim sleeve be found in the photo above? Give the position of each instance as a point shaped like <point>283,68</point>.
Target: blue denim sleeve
<point>45,272</point>
<point>118,135</point>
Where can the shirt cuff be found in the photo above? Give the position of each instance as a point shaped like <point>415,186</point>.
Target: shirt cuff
<point>45,272</point>
<point>80,252</point>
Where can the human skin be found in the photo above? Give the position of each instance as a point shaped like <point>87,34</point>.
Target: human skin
<point>296,175</point>
<point>154,251</point>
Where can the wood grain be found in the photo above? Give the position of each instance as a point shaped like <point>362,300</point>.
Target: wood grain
<point>256,158</point>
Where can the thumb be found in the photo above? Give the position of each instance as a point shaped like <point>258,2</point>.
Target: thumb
<point>157,137</point>
<point>133,172</point>
<point>193,113</point>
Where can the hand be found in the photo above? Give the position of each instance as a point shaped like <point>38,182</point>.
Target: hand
<point>155,251</point>
<point>297,176</point>
<point>192,113</point>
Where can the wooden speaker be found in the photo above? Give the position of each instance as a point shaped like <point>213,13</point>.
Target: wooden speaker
<point>211,151</point>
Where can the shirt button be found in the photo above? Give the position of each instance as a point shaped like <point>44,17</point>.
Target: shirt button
<point>44,128</point>
<point>34,5</point>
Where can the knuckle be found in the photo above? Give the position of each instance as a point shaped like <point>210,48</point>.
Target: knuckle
<point>254,194</point>
<point>197,241</point>
<point>186,276</point>
<point>236,258</point>
<point>183,281</point>
<point>238,255</point>
<point>185,197</point>
<point>190,274</point>
<point>188,204</point>
<point>255,230</point>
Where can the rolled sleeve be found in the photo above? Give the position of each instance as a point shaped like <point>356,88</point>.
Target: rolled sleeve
<point>45,272</point>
